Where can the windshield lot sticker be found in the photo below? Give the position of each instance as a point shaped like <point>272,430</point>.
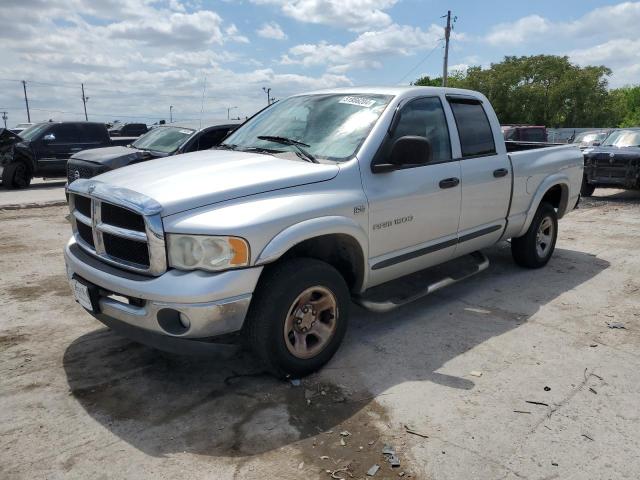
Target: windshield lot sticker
<point>358,101</point>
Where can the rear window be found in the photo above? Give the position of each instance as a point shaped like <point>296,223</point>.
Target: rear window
<point>474,129</point>
<point>533,135</point>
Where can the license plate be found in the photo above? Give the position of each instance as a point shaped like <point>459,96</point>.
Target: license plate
<point>81,292</point>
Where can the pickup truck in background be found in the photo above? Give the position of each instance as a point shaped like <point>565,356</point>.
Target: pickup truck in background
<point>614,163</point>
<point>162,141</point>
<point>525,133</point>
<point>43,149</point>
<point>128,130</point>
<point>319,199</point>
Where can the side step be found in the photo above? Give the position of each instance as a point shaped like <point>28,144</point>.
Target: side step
<point>401,291</point>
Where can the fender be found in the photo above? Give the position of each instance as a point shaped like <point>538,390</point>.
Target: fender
<point>549,182</point>
<point>315,227</point>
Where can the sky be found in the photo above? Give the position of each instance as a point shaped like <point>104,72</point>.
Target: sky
<point>137,58</point>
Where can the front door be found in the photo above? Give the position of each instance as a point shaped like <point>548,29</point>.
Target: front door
<point>58,144</point>
<point>414,212</point>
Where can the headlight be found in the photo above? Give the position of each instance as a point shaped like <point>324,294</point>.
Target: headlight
<point>202,252</point>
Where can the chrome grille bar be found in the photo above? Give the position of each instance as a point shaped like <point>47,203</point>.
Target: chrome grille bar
<point>147,208</point>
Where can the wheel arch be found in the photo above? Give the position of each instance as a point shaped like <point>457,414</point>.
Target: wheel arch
<point>336,240</point>
<point>554,190</point>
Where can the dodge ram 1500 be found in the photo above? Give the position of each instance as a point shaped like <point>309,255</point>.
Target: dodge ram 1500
<point>321,198</point>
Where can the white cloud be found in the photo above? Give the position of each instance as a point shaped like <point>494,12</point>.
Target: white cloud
<point>367,50</point>
<point>614,21</point>
<point>516,33</point>
<point>135,58</point>
<point>621,55</point>
<point>272,30</point>
<point>357,15</point>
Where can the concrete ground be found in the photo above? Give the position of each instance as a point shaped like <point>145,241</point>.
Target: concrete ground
<point>40,192</point>
<point>511,374</point>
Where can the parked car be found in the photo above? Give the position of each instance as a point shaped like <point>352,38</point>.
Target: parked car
<point>318,199</point>
<point>128,130</point>
<point>42,150</point>
<point>525,133</point>
<point>161,141</point>
<point>613,164</point>
<point>590,138</point>
<point>21,126</point>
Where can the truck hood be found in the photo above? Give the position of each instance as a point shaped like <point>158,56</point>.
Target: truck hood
<point>8,139</point>
<point>620,153</point>
<point>197,179</point>
<point>114,157</point>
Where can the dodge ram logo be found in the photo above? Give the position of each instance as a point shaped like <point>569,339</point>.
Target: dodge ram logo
<point>76,174</point>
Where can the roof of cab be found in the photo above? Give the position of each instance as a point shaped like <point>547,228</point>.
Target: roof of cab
<point>396,91</point>
<point>201,125</point>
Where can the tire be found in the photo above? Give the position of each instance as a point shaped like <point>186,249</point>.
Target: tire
<point>586,190</point>
<point>277,306</point>
<point>528,251</point>
<point>16,175</point>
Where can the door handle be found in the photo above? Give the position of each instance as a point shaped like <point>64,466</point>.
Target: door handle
<point>449,182</point>
<point>501,172</point>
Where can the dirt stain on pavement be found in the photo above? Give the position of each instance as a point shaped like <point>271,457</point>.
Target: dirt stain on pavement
<point>56,285</point>
<point>163,404</point>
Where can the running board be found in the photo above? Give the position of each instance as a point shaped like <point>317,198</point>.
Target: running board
<point>382,298</point>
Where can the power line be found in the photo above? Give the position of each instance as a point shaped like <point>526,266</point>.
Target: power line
<point>422,60</point>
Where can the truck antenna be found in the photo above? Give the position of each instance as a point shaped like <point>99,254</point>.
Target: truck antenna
<point>204,89</point>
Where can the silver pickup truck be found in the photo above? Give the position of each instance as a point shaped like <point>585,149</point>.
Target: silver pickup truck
<point>320,199</point>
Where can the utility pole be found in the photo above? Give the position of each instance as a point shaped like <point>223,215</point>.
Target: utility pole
<point>84,102</point>
<point>26,100</point>
<point>170,113</point>
<point>447,34</point>
<point>268,92</point>
<point>229,112</point>
<point>4,117</point>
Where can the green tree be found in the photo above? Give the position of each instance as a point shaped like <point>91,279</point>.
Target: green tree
<point>544,90</point>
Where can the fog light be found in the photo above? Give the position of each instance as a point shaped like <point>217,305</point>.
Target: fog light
<point>184,321</point>
<point>173,322</point>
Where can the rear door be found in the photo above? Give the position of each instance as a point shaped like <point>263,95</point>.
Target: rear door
<point>485,174</point>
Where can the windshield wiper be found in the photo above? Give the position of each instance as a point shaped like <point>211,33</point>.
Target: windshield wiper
<point>227,146</point>
<point>294,143</point>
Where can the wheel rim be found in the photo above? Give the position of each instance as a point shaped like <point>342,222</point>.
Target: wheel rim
<point>544,237</point>
<point>311,322</point>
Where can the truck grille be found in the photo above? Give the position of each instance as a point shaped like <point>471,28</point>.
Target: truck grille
<point>77,169</point>
<point>120,236</point>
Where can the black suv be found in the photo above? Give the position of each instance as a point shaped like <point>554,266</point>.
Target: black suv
<point>42,150</point>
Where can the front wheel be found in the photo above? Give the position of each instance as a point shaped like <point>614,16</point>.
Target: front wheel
<point>534,248</point>
<point>16,175</point>
<point>586,189</point>
<point>298,316</point>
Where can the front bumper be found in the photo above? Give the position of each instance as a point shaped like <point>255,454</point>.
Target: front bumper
<point>147,309</point>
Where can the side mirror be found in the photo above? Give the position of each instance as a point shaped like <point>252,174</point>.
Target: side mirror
<point>49,137</point>
<point>596,144</point>
<point>406,151</point>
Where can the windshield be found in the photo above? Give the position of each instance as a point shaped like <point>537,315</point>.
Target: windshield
<point>623,138</point>
<point>163,139</point>
<point>588,137</point>
<point>333,126</point>
<point>33,131</point>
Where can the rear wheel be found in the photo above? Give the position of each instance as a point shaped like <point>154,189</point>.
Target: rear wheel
<point>298,316</point>
<point>534,248</point>
<point>16,175</point>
